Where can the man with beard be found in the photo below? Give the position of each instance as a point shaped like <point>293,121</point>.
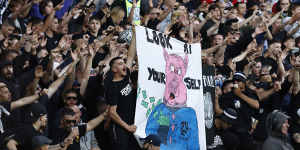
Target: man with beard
<point>21,138</point>
<point>6,106</point>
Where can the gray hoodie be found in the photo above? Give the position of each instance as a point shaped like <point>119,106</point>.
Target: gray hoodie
<point>276,140</point>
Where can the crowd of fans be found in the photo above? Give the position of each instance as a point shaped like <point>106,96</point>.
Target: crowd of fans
<point>65,64</point>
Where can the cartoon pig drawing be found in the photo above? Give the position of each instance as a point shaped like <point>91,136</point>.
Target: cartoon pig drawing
<point>175,92</point>
<point>174,122</point>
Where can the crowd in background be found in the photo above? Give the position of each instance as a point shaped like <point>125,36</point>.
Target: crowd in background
<point>64,65</point>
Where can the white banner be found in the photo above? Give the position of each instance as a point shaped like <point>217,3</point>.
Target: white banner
<point>170,93</point>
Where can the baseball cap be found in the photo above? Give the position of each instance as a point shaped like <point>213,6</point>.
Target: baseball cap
<point>239,76</point>
<point>229,115</point>
<point>39,141</point>
<point>37,110</point>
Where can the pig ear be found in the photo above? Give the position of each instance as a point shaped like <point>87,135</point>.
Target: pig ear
<point>166,55</point>
<point>186,61</point>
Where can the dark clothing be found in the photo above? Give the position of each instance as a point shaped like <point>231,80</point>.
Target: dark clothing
<point>267,105</point>
<point>95,88</point>
<point>120,138</point>
<point>23,136</point>
<point>102,137</point>
<point>205,39</point>
<point>271,62</point>
<point>122,95</point>
<point>61,134</point>
<point>244,121</point>
<point>52,42</point>
<point>244,111</point>
<point>152,24</point>
<point>16,87</point>
<point>4,117</point>
<point>230,140</point>
<point>234,50</point>
<point>294,128</point>
<point>26,117</point>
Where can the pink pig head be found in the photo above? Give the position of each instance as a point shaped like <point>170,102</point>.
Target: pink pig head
<point>175,91</point>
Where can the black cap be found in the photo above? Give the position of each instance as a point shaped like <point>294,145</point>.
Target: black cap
<point>39,141</point>
<point>152,139</point>
<point>239,76</point>
<point>5,63</point>
<point>37,110</point>
<point>229,115</point>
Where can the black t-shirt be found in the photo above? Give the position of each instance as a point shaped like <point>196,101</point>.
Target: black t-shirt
<point>229,139</point>
<point>52,42</point>
<point>244,111</point>
<point>205,39</point>
<point>267,105</point>
<point>23,136</point>
<point>61,134</point>
<point>122,94</point>
<point>4,116</point>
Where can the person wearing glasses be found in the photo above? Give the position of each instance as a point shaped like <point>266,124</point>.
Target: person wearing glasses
<point>69,127</point>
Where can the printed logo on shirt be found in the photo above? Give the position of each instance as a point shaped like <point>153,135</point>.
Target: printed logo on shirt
<point>126,91</point>
<point>237,104</point>
<point>261,110</point>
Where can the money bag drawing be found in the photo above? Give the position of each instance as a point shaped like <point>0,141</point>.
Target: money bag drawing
<point>174,122</point>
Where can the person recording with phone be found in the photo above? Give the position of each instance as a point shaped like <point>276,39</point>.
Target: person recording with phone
<point>245,103</point>
<point>70,127</point>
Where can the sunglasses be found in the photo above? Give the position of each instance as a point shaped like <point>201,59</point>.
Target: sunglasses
<point>71,97</point>
<point>70,121</point>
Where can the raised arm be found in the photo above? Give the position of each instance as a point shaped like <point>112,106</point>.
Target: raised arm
<point>218,109</point>
<point>131,14</point>
<point>92,124</point>
<point>132,49</point>
<point>281,70</point>
<point>296,81</point>
<point>275,17</point>
<point>71,70</point>
<point>212,30</point>
<point>250,101</point>
<point>24,101</point>
<point>87,70</point>
<point>56,84</point>
<point>51,17</point>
